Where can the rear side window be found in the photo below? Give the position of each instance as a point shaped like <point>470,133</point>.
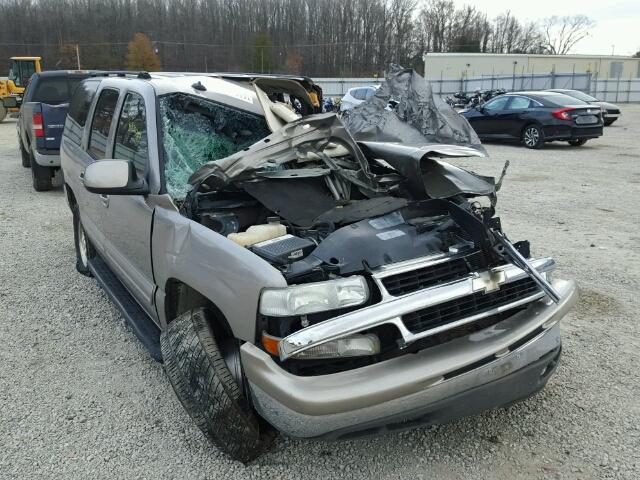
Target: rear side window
<point>131,134</point>
<point>81,101</point>
<point>101,123</point>
<point>370,92</point>
<point>519,103</point>
<point>55,90</point>
<point>563,100</point>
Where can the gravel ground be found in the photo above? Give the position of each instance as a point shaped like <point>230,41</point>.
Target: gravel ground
<point>80,398</point>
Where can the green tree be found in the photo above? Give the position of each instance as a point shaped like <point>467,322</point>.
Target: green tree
<point>141,55</point>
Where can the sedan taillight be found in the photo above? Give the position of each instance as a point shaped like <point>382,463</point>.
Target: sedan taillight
<point>38,127</point>
<point>563,113</point>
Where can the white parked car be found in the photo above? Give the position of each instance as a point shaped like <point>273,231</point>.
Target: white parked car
<point>357,95</point>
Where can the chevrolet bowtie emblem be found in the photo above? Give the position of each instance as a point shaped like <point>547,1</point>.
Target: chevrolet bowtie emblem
<point>488,281</point>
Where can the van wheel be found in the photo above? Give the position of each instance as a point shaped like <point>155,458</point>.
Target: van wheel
<point>208,390</point>
<point>26,160</point>
<point>84,248</point>
<point>577,142</point>
<point>41,176</point>
<point>533,136</point>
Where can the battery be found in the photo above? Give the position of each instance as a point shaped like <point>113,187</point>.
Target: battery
<point>283,250</point>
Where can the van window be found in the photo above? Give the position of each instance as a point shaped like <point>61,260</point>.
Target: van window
<point>131,134</point>
<point>102,117</point>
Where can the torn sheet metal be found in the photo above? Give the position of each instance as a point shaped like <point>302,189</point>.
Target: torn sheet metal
<point>428,175</point>
<point>420,117</point>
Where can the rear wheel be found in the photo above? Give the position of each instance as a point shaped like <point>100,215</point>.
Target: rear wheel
<point>533,136</point>
<point>42,176</point>
<point>26,159</point>
<point>212,395</point>
<point>84,247</point>
<point>577,142</point>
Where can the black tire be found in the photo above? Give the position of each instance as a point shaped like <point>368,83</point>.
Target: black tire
<point>533,136</point>
<point>577,142</point>
<point>26,158</point>
<point>207,389</point>
<point>80,239</point>
<point>42,176</point>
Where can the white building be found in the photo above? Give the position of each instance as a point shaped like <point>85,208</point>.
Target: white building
<point>456,65</point>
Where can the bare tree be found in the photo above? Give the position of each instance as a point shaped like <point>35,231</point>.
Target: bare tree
<point>561,34</point>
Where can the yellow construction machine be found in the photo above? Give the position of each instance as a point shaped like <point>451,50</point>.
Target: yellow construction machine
<point>12,88</point>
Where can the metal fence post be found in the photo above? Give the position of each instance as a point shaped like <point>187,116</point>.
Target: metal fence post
<point>617,88</point>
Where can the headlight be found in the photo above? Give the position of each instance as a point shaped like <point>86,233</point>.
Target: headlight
<point>314,297</point>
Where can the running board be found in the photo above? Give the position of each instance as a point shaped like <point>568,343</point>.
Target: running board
<point>143,327</point>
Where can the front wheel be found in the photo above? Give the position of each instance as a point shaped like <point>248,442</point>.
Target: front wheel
<point>577,142</point>
<point>206,387</point>
<point>533,136</point>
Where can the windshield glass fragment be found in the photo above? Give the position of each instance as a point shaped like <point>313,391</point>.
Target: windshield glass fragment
<point>196,131</point>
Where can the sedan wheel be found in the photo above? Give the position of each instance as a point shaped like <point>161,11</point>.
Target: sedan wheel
<point>533,137</point>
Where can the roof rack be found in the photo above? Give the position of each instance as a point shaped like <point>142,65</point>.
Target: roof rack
<point>122,73</point>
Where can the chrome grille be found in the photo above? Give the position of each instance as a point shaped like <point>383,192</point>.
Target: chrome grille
<point>414,280</point>
<point>467,306</point>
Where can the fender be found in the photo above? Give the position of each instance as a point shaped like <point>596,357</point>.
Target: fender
<point>228,275</point>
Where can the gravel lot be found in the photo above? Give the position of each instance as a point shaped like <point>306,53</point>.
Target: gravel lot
<point>81,398</point>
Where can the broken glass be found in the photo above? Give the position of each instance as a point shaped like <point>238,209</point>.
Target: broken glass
<point>196,131</point>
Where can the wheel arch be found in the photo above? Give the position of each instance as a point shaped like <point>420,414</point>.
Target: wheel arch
<point>181,297</point>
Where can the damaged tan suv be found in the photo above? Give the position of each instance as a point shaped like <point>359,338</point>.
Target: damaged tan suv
<point>302,273</point>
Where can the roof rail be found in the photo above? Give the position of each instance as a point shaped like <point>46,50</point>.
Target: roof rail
<point>122,73</point>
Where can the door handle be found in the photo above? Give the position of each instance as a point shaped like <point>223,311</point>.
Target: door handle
<point>105,200</point>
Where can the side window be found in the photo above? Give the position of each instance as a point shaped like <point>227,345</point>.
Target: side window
<point>370,92</point>
<point>131,134</point>
<point>519,103</point>
<point>497,104</point>
<point>102,117</point>
<point>81,101</point>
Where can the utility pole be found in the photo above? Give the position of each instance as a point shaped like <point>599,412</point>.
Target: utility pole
<point>78,55</point>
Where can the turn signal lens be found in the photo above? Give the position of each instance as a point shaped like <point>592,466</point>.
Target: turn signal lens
<point>270,344</point>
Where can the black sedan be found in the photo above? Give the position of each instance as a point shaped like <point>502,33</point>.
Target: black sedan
<point>534,118</point>
<point>610,111</point>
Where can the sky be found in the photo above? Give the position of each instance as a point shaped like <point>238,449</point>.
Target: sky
<point>617,21</point>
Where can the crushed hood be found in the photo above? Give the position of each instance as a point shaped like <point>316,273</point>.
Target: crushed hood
<point>409,139</point>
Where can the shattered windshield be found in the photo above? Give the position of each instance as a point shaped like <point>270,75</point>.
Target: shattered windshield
<point>196,131</point>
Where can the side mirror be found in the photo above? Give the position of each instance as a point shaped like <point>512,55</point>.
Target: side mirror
<point>114,177</point>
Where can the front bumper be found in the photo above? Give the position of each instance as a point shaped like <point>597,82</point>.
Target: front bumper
<point>47,158</point>
<point>489,368</point>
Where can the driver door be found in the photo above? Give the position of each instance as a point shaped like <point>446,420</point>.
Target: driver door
<point>128,218</point>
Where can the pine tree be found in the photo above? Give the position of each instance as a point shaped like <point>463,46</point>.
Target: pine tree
<point>141,55</point>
